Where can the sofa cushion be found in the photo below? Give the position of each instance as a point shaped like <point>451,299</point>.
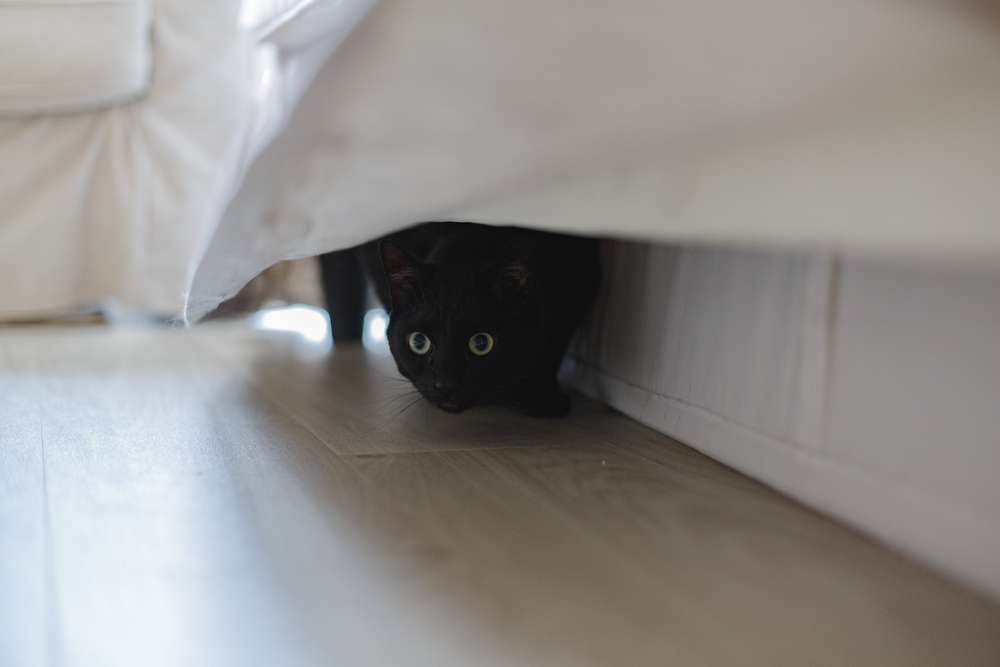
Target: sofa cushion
<point>59,56</point>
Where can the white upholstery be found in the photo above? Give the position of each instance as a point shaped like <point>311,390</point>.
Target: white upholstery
<point>263,16</point>
<point>58,56</point>
<point>119,198</point>
<point>316,20</point>
<point>864,124</point>
<point>114,202</point>
<point>296,38</point>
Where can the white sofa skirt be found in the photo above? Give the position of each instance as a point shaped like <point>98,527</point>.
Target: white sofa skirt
<point>868,125</point>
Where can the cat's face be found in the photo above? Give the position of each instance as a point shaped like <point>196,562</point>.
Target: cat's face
<point>463,335</point>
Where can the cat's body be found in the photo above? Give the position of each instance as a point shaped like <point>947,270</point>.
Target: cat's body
<point>482,314</point>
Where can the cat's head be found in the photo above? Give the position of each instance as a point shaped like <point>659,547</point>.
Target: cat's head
<point>464,334</point>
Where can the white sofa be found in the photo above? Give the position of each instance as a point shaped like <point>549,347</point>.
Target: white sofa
<point>125,128</point>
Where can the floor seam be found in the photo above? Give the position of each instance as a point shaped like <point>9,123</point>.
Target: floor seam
<point>54,649</point>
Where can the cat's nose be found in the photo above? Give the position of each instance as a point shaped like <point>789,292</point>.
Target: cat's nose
<point>446,386</point>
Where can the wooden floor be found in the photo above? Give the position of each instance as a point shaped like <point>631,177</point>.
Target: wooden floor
<point>220,497</point>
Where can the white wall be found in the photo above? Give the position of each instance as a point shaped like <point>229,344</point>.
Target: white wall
<point>869,391</point>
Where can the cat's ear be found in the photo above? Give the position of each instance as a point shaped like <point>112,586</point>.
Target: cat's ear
<point>401,270</point>
<point>515,267</point>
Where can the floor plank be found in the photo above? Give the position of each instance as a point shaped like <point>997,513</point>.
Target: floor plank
<point>25,554</point>
<point>221,496</point>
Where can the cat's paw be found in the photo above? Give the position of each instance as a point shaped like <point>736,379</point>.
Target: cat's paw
<point>549,405</point>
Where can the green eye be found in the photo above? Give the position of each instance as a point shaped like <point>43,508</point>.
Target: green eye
<point>419,343</point>
<point>481,344</point>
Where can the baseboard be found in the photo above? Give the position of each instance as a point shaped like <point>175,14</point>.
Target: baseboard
<point>950,538</point>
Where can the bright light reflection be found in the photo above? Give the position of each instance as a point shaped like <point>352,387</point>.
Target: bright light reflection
<point>310,322</point>
<point>256,14</point>
<point>373,334</point>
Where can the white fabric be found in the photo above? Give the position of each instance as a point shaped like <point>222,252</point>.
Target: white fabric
<point>296,39</point>
<point>72,55</point>
<point>263,16</point>
<point>121,201</point>
<point>115,202</point>
<point>867,124</point>
<point>329,20</point>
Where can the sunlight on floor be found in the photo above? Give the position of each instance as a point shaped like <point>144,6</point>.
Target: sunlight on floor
<point>310,322</point>
<point>373,337</point>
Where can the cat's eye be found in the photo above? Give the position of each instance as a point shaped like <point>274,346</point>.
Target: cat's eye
<point>419,343</point>
<point>481,344</point>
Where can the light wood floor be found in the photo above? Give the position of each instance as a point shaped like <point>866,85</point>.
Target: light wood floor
<point>220,497</point>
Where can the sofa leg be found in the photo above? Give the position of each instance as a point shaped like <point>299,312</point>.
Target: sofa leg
<point>344,287</point>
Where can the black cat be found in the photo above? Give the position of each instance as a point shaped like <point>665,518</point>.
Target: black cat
<point>482,314</point>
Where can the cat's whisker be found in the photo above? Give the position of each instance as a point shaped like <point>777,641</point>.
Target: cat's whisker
<point>389,406</point>
<point>393,386</point>
<point>393,379</point>
<point>390,403</point>
<point>387,374</point>
<point>407,422</point>
<point>385,401</point>
<point>427,412</point>
<point>406,407</point>
<point>385,422</point>
<point>407,399</point>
